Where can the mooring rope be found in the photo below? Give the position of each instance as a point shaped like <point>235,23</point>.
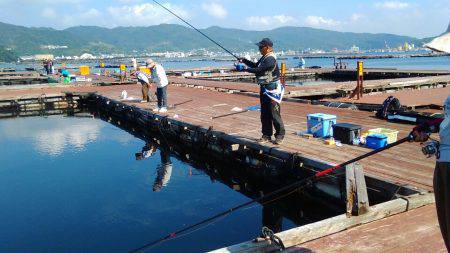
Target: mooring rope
<point>291,188</point>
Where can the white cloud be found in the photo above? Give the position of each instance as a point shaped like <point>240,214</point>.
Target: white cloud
<point>283,19</point>
<point>48,13</point>
<point>142,14</point>
<point>318,21</point>
<point>391,5</point>
<point>214,9</point>
<point>263,22</point>
<point>355,17</point>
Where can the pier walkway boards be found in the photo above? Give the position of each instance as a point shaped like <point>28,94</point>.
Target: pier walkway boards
<point>404,165</point>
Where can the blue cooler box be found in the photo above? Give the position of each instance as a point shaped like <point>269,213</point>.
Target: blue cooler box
<point>320,124</point>
<point>376,141</point>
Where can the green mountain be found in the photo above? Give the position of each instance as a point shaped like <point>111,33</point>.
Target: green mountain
<point>170,37</point>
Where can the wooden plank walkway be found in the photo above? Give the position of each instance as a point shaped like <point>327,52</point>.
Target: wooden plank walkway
<point>326,89</point>
<point>413,231</point>
<point>410,98</point>
<point>404,164</point>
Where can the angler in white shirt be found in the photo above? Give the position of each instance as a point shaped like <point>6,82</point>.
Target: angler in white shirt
<point>159,77</point>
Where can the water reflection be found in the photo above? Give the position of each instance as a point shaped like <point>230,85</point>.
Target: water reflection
<point>104,190</point>
<point>53,136</point>
<point>163,169</point>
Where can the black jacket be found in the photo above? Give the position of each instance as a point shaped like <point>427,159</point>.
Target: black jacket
<point>266,69</point>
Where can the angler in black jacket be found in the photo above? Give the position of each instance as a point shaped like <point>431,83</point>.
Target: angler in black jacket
<point>268,78</point>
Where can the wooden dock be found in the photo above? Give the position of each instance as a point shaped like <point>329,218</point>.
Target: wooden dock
<point>404,165</point>
<point>332,89</point>
<point>413,231</point>
<point>19,73</point>
<point>232,76</point>
<point>412,99</point>
<point>14,80</point>
<point>382,73</point>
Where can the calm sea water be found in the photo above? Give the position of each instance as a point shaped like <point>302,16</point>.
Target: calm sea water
<point>437,63</point>
<point>74,185</point>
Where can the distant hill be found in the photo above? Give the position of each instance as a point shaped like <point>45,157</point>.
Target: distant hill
<point>173,37</point>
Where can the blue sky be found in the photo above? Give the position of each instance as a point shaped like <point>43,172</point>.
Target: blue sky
<point>421,18</point>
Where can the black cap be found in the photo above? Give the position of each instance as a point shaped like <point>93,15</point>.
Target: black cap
<point>265,42</point>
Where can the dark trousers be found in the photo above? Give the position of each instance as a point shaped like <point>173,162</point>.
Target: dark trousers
<point>441,187</point>
<point>161,93</point>
<point>271,117</point>
<point>145,90</point>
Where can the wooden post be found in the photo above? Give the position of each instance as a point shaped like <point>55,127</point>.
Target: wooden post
<point>360,78</point>
<point>357,199</point>
<point>283,73</point>
<point>358,91</point>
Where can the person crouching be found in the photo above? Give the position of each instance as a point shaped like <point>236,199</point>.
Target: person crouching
<point>145,82</point>
<point>159,77</point>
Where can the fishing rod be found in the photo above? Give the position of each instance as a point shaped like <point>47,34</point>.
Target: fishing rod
<point>296,185</point>
<point>248,109</point>
<point>213,41</point>
<point>181,103</point>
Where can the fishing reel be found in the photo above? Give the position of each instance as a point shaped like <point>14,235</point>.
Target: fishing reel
<point>240,67</point>
<point>431,148</point>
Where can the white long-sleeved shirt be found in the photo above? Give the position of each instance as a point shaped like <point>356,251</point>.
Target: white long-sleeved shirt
<point>159,76</point>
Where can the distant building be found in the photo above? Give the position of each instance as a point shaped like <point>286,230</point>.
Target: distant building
<point>87,57</point>
<point>41,57</point>
<point>52,47</point>
<point>354,49</point>
<point>406,47</point>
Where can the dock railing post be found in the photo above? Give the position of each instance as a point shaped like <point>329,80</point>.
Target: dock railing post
<point>357,198</point>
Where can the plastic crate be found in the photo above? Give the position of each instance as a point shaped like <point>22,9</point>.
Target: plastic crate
<point>389,133</point>
<point>346,133</point>
<point>320,124</point>
<point>84,70</point>
<point>376,141</point>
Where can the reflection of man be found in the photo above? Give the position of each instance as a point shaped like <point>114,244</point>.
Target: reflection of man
<point>164,170</point>
<point>272,218</point>
<point>147,151</point>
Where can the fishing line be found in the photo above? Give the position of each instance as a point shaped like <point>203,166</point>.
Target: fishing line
<point>213,41</point>
<point>301,183</point>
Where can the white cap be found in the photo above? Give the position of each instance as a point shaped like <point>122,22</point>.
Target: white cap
<point>149,62</point>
